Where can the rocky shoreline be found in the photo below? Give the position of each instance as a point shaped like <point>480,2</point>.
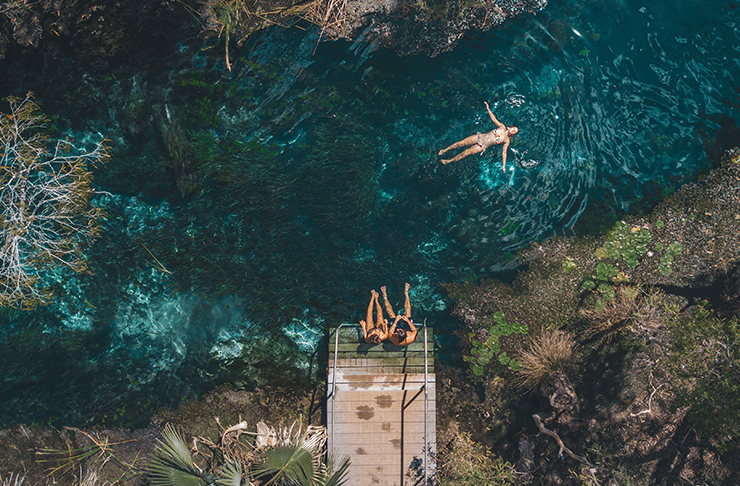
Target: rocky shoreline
<point>103,29</point>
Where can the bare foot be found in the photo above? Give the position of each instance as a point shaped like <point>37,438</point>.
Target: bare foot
<point>383,291</point>
<point>373,293</point>
<point>406,288</point>
<point>441,152</point>
<point>446,161</point>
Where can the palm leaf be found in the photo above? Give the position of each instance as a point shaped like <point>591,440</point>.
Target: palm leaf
<point>171,463</point>
<point>293,464</point>
<point>333,475</point>
<point>231,475</point>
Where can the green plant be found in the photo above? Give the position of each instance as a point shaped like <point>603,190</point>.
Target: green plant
<point>568,264</point>
<point>482,353</point>
<point>605,275</point>
<point>284,457</point>
<point>610,317</point>
<point>626,243</point>
<point>666,261</point>
<point>548,353</point>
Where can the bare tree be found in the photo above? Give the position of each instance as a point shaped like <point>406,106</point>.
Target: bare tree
<point>46,217</point>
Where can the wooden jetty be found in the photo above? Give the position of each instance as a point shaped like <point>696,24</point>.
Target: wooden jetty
<point>381,408</point>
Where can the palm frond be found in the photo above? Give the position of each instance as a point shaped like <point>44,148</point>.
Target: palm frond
<point>332,474</point>
<point>292,463</point>
<point>231,475</point>
<point>171,463</point>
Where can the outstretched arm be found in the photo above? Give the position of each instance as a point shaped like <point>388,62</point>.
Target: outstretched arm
<point>493,117</point>
<point>503,153</point>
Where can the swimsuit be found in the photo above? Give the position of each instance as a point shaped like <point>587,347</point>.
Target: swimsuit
<point>499,139</point>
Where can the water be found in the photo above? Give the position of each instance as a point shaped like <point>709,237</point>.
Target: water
<point>313,177</point>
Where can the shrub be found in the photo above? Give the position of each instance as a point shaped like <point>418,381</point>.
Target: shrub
<point>45,191</point>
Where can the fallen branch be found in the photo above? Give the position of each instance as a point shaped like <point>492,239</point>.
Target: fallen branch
<point>649,402</point>
<point>563,448</point>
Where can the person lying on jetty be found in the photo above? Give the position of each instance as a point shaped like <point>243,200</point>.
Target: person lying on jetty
<point>397,334</point>
<point>480,142</point>
<point>374,333</point>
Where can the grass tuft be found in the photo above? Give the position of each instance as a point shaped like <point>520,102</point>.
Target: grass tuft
<point>549,352</point>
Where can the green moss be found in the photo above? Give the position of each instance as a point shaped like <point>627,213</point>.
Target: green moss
<point>707,359</point>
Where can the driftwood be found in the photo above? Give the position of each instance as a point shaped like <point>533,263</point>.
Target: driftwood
<point>563,448</point>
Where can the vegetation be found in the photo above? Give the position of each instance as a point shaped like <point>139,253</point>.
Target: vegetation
<point>548,353</point>
<point>46,218</point>
<point>706,361</point>
<point>655,365</point>
<point>286,456</point>
<point>463,462</point>
<point>238,18</point>
<point>483,352</point>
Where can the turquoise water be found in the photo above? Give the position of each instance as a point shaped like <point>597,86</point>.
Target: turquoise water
<point>316,179</point>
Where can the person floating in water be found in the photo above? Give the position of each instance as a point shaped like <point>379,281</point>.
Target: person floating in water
<point>397,335</point>
<point>480,142</point>
<point>374,333</point>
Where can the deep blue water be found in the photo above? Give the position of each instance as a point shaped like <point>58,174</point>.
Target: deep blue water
<point>317,179</point>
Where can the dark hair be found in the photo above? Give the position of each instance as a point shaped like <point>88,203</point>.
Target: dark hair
<point>373,339</point>
<point>401,333</point>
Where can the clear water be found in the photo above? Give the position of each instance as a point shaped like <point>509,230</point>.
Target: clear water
<point>341,191</point>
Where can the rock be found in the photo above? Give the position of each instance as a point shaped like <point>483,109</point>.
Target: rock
<point>26,26</point>
<point>425,27</point>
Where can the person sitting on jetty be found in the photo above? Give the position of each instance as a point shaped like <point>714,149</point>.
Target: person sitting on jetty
<point>480,142</point>
<point>374,333</point>
<point>397,334</point>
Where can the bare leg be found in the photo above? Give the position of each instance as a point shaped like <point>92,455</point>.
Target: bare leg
<point>475,149</point>
<point>388,307</point>
<point>369,325</point>
<point>382,323</point>
<point>407,303</point>
<point>462,143</point>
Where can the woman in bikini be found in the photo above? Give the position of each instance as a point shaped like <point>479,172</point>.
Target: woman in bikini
<point>374,333</point>
<point>480,142</point>
<point>397,335</point>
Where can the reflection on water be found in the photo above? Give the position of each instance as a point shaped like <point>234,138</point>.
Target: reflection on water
<point>320,178</point>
